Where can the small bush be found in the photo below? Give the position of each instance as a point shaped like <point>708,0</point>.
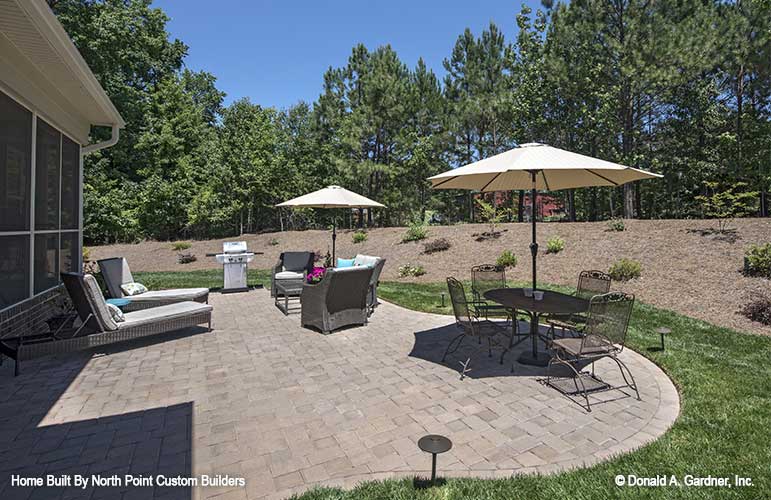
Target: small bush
<point>507,259</point>
<point>438,245</point>
<point>359,237</point>
<point>86,254</point>
<point>758,260</point>
<point>415,232</point>
<point>186,258</point>
<point>758,310</point>
<point>411,270</point>
<point>616,225</point>
<point>180,245</point>
<point>555,245</point>
<point>273,242</point>
<point>625,270</point>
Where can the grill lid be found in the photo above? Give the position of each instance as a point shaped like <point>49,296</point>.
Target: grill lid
<point>234,247</point>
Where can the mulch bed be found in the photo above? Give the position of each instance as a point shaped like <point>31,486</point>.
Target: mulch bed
<point>686,267</point>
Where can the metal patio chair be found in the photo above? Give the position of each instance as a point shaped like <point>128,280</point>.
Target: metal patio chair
<point>470,325</point>
<point>590,283</point>
<point>604,336</point>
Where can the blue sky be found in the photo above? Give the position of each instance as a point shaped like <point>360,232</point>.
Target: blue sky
<point>276,52</point>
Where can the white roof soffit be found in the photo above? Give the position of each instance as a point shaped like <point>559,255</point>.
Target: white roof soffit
<point>31,27</point>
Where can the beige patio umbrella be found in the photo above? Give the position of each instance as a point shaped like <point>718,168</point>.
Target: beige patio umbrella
<point>332,197</point>
<point>537,166</point>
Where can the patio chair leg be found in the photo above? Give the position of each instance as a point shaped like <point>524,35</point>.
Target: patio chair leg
<point>576,379</point>
<point>621,367</point>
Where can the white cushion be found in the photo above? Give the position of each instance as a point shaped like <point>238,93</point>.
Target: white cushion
<point>169,311</point>
<point>289,275</point>
<point>365,260</point>
<point>173,293</point>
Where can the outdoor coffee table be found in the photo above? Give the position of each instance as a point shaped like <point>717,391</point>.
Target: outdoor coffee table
<point>286,289</point>
<point>552,303</point>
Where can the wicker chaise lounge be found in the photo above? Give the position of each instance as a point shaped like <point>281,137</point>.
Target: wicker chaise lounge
<point>339,300</point>
<point>92,310</point>
<point>116,272</point>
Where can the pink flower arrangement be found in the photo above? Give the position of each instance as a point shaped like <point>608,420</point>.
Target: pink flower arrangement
<point>316,274</point>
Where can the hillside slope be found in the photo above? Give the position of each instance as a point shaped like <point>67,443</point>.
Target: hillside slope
<point>683,270</point>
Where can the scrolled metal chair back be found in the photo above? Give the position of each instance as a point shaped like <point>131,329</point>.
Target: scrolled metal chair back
<point>591,283</point>
<point>487,277</point>
<point>608,322</point>
<point>460,304</point>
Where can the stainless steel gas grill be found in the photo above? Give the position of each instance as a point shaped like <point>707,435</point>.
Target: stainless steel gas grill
<point>234,259</point>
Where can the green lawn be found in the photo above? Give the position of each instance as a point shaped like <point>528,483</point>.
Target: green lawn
<point>724,427</point>
<point>209,278</point>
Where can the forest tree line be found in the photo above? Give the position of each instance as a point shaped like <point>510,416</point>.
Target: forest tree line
<point>678,87</point>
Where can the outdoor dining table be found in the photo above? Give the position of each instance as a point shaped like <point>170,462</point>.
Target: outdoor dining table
<point>551,303</point>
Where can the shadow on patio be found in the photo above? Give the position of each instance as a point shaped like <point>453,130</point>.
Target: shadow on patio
<point>148,442</point>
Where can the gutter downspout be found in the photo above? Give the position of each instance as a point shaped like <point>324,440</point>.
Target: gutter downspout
<point>104,144</point>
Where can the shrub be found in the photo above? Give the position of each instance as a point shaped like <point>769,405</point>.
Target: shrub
<point>415,232</point>
<point>555,245</point>
<point>273,242</point>
<point>507,259</point>
<point>625,270</point>
<point>359,237</point>
<point>757,260</point>
<point>411,270</point>
<point>186,258</point>
<point>86,254</point>
<point>491,214</point>
<point>181,245</point>
<point>758,310</point>
<point>616,225</point>
<point>438,245</point>
<point>727,204</point>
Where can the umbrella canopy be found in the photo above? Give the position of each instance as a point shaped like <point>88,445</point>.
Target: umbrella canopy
<point>554,169</point>
<point>332,197</point>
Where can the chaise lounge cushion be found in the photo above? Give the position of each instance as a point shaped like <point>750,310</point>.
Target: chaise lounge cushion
<point>175,293</point>
<point>166,312</point>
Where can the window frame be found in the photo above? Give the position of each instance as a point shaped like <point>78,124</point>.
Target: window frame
<point>32,232</point>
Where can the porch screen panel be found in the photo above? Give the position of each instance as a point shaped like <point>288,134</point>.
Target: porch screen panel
<point>68,257</point>
<point>70,183</point>
<point>14,269</point>
<point>46,261</point>
<point>15,165</point>
<point>47,173</point>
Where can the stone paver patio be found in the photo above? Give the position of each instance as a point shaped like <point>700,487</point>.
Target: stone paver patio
<point>288,408</point>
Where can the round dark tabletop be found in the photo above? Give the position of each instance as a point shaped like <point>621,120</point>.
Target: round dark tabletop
<point>552,302</point>
<point>433,443</point>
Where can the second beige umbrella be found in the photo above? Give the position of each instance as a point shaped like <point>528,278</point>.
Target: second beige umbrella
<point>332,197</point>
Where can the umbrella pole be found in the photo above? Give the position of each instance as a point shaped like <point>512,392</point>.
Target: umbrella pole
<point>334,237</point>
<point>533,244</point>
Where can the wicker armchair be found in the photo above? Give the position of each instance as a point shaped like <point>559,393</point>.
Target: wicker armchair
<point>291,266</point>
<point>604,336</point>
<point>377,264</point>
<point>471,327</point>
<point>338,300</point>
<point>590,283</point>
